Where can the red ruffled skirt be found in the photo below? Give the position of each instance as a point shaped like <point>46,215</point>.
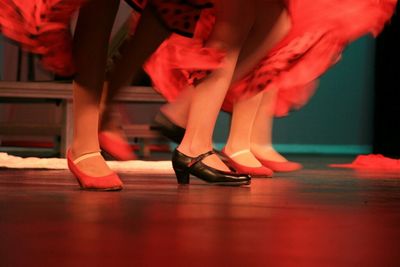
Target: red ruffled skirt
<point>43,26</point>
<point>320,31</point>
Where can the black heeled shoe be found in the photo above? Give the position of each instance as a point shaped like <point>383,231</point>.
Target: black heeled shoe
<point>184,166</point>
<point>167,128</point>
<point>174,132</point>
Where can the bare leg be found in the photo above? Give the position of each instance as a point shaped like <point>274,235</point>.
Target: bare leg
<point>90,53</point>
<point>256,113</point>
<point>128,67</point>
<point>272,24</point>
<point>229,34</point>
<point>177,111</point>
<point>261,133</point>
<point>240,133</point>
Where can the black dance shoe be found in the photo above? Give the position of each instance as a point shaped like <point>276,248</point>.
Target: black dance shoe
<point>175,133</point>
<point>166,127</point>
<point>184,166</point>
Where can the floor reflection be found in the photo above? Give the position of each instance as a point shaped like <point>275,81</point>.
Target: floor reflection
<point>315,217</point>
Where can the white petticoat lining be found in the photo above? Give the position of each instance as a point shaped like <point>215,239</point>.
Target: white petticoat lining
<point>132,166</point>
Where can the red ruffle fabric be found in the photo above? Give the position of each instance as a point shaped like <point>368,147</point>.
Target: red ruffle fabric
<point>320,31</point>
<point>41,27</point>
<point>181,61</point>
<point>371,162</point>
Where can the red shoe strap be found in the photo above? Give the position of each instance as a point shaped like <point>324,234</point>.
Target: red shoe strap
<point>86,156</point>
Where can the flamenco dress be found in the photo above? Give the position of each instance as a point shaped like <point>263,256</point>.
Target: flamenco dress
<point>319,33</point>
<point>43,26</point>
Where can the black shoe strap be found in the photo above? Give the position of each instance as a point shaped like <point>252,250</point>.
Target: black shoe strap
<point>200,158</point>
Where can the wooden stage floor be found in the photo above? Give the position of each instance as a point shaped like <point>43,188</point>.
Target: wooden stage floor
<point>315,217</point>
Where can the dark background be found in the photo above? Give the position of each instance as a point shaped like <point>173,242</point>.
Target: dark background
<point>387,91</point>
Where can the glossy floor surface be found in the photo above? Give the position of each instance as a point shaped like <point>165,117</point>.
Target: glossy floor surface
<point>315,217</point>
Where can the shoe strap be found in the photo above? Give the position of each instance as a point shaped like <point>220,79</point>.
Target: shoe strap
<point>200,158</point>
<point>86,156</point>
<point>238,153</point>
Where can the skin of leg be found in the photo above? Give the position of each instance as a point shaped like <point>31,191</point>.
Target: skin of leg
<point>177,111</point>
<point>261,134</point>
<point>90,47</point>
<point>256,113</point>
<point>127,67</point>
<point>242,121</point>
<point>272,23</point>
<point>229,34</point>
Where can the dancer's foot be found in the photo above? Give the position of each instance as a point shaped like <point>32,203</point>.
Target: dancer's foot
<point>211,161</point>
<point>267,152</point>
<point>93,166</point>
<point>112,138</point>
<point>184,166</point>
<point>248,164</point>
<point>167,128</point>
<point>116,145</point>
<point>270,158</point>
<point>244,157</point>
<point>92,173</point>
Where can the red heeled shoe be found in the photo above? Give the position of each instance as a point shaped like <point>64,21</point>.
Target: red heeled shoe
<point>109,182</point>
<point>276,166</point>
<point>261,171</point>
<point>118,149</point>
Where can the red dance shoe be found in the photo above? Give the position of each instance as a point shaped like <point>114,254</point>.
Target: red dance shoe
<point>109,182</point>
<point>255,172</point>
<point>117,148</point>
<point>285,166</point>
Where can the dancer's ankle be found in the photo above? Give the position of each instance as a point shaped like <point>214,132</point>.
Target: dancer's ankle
<point>93,166</point>
<point>231,148</point>
<point>78,148</point>
<point>241,154</point>
<point>193,150</point>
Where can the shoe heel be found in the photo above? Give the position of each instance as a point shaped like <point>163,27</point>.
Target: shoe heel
<point>182,176</point>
